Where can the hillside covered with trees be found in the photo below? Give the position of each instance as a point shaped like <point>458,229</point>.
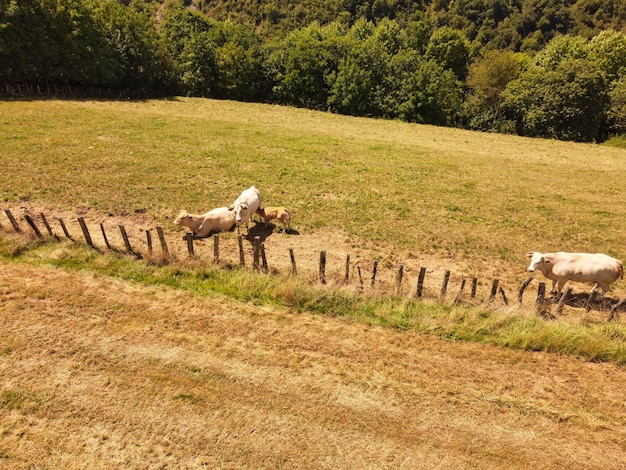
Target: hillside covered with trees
<point>541,68</point>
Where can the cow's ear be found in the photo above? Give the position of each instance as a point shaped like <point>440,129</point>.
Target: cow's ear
<point>546,261</point>
<point>231,208</point>
<point>530,254</point>
<point>244,207</point>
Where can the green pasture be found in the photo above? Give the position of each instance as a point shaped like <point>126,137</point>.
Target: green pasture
<point>387,186</point>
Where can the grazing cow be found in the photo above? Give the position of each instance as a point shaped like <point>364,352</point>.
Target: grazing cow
<point>246,205</point>
<point>279,213</point>
<point>561,267</point>
<point>217,220</point>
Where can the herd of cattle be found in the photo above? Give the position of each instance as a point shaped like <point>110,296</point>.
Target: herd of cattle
<point>223,219</point>
<point>560,267</point>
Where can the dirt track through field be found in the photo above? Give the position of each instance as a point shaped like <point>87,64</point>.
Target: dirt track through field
<point>102,373</point>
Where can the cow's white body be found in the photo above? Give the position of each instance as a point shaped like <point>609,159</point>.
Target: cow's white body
<point>246,205</point>
<point>220,219</point>
<point>560,267</point>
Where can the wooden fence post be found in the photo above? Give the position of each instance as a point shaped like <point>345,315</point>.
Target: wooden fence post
<point>358,268</point>
<point>504,299</point>
<point>64,228</point>
<point>240,243</point>
<point>458,296</point>
<point>323,267</point>
<point>494,289</point>
<point>523,288</point>
<point>46,224</point>
<point>164,248</point>
<point>149,241</point>
<point>347,275</point>
<point>257,252</point>
<point>374,271</point>
<point>16,227</point>
<point>189,238</point>
<point>263,259</point>
<point>216,248</point>
<point>31,222</point>
<point>104,236</point>
<point>129,248</point>
<point>474,285</point>
<point>294,271</point>
<point>85,230</point>
<point>444,285</point>
<point>399,277</point>
<point>420,282</point>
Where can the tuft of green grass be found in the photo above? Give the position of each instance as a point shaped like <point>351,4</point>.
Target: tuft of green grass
<point>616,141</point>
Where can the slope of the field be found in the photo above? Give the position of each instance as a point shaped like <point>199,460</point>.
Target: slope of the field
<point>101,373</point>
<point>470,202</point>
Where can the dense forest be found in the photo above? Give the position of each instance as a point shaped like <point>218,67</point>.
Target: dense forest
<point>545,68</point>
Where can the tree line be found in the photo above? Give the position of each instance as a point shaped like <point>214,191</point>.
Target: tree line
<point>476,64</point>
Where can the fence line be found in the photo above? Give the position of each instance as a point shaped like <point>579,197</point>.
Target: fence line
<point>543,305</point>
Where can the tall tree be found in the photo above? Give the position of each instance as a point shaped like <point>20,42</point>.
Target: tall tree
<point>487,79</point>
<point>450,49</point>
<point>304,63</point>
<point>566,102</point>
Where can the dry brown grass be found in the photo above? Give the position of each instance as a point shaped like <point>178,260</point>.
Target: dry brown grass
<point>101,373</point>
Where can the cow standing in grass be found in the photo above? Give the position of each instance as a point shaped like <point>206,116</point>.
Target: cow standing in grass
<point>561,267</point>
<point>245,206</point>
<point>281,214</point>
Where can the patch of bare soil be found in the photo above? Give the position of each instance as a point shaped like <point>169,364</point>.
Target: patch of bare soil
<point>102,373</point>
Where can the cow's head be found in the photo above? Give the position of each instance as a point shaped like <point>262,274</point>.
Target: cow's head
<point>537,261</point>
<point>183,216</point>
<point>240,211</point>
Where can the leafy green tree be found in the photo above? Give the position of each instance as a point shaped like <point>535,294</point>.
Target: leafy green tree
<point>133,42</point>
<point>487,79</point>
<point>617,109</point>
<point>434,96</point>
<point>559,49</point>
<point>418,34</point>
<point>303,65</point>
<point>360,79</point>
<point>188,40</point>
<point>198,64</point>
<point>608,49</point>
<point>565,102</point>
<point>450,49</point>
<point>239,62</point>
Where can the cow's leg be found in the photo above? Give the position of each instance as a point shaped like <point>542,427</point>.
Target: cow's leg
<point>552,289</point>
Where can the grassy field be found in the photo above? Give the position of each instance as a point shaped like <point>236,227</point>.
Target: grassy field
<point>397,189</point>
<point>109,362</point>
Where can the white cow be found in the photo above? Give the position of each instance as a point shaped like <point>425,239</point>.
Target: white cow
<point>217,220</point>
<point>561,267</point>
<point>246,205</point>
